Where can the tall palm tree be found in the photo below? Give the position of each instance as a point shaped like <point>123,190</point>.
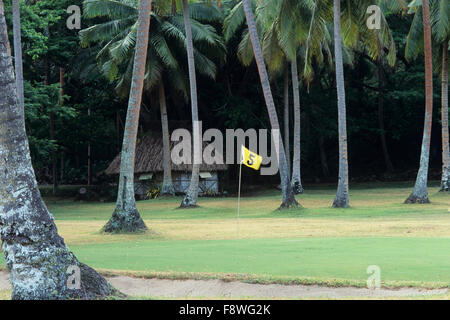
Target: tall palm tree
<point>288,193</point>
<point>190,199</point>
<point>114,42</point>
<point>126,217</point>
<point>296,173</point>
<point>342,196</point>
<point>420,192</point>
<point>286,114</point>
<point>440,28</point>
<point>18,65</point>
<point>167,186</point>
<point>36,256</point>
<point>445,180</point>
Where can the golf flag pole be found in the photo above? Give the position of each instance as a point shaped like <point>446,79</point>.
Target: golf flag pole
<point>239,191</point>
<point>251,160</point>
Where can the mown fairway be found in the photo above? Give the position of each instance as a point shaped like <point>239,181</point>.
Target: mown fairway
<point>315,244</point>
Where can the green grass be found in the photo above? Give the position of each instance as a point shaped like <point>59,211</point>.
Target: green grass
<point>313,244</point>
<point>345,259</point>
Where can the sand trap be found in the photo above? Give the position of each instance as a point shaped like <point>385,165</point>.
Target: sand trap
<point>220,289</point>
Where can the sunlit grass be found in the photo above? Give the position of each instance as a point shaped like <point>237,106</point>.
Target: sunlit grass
<point>313,244</point>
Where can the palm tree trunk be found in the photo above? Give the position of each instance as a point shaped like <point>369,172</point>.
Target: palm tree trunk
<point>190,199</point>
<point>126,217</point>
<point>35,254</point>
<point>18,64</point>
<point>296,173</point>
<point>420,192</point>
<point>342,195</point>
<point>167,186</point>
<point>387,159</point>
<point>445,181</point>
<point>286,116</point>
<point>287,191</point>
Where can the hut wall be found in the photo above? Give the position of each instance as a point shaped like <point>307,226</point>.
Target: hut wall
<point>181,181</point>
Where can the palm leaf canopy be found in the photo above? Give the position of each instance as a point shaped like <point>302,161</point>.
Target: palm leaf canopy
<point>115,35</point>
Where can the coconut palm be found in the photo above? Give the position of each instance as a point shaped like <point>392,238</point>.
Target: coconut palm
<point>288,193</point>
<point>277,25</point>
<point>167,49</point>
<point>342,196</point>
<point>18,65</point>
<point>440,28</point>
<point>353,33</point>
<point>445,180</point>
<point>420,192</point>
<point>302,31</point>
<point>36,256</point>
<point>190,199</point>
<point>126,217</point>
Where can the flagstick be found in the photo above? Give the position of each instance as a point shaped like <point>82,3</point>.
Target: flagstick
<point>239,198</point>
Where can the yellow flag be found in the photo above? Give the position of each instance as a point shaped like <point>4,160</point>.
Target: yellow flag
<point>250,159</point>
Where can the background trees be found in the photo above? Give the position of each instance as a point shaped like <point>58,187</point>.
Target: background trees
<point>36,255</point>
<point>233,100</point>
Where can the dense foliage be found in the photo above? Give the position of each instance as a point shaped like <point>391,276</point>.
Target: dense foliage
<point>92,109</point>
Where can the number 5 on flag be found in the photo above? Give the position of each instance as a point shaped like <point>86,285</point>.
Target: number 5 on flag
<point>250,158</point>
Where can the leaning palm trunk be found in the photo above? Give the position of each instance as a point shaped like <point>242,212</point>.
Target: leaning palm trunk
<point>288,193</point>
<point>167,186</point>
<point>286,116</point>
<point>18,65</point>
<point>35,254</point>
<point>296,173</point>
<point>190,199</point>
<point>420,192</point>
<point>342,195</point>
<point>445,182</point>
<point>126,217</point>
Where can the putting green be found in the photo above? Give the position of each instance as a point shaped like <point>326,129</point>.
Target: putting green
<point>412,259</point>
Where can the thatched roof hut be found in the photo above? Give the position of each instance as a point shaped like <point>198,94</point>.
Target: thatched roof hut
<point>149,159</point>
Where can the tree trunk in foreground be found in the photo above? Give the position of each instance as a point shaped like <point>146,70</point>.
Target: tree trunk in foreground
<point>296,173</point>
<point>286,115</point>
<point>287,191</point>
<point>190,199</point>
<point>445,181</point>
<point>126,217</point>
<point>420,192</point>
<point>36,256</point>
<point>387,159</point>
<point>342,195</point>
<point>18,64</point>
<point>167,186</point>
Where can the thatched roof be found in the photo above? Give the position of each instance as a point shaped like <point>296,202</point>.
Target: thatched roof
<point>149,158</point>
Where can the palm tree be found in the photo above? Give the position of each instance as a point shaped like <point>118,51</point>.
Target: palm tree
<point>126,217</point>
<point>420,192</point>
<point>18,65</point>
<point>296,173</point>
<point>115,42</point>
<point>445,180</point>
<point>353,35</point>
<point>440,28</point>
<point>36,256</point>
<point>286,114</point>
<point>190,199</point>
<point>342,196</point>
<point>288,193</point>
<point>167,186</point>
